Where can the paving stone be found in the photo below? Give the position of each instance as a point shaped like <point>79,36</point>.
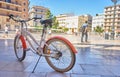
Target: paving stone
<point>114,69</point>
<point>37,75</point>
<point>99,58</point>
<point>95,70</point>
<point>13,74</point>
<point>77,69</point>
<point>77,75</point>
<point>57,74</point>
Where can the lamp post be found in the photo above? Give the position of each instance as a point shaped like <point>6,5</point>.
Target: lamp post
<point>113,25</point>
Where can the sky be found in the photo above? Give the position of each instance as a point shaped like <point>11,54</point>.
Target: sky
<point>78,7</point>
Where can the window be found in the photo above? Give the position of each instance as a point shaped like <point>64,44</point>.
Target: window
<point>24,3</point>
<point>7,20</point>
<point>0,5</point>
<point>9,1</point>
<point>118,26</point>
<point>41,10</point>
<point>16,2</point>
<point>8,13</point>
<point>16,9</point>
<point>24,9</point>
<point>118,15</point>
<point>41,16</point>
<point>0,26</point>
<point>118,23</point>
<point>8,7</point>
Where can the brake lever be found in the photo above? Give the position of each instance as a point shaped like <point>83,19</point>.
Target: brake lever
<point>10,16</point>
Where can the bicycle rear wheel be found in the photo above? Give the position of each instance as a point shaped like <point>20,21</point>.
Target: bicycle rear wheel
<point>18,48</point>
<point>64,58</point>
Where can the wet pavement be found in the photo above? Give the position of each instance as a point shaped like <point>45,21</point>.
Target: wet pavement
<point>98,58</point>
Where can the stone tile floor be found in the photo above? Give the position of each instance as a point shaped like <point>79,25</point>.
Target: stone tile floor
<point>92,60</point>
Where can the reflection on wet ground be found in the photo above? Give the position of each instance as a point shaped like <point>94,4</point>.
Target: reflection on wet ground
<point>92,60</point>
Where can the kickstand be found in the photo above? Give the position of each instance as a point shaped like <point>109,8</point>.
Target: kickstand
<point>36,64</point>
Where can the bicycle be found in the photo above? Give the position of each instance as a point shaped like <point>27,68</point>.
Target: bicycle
<point>58,51</point>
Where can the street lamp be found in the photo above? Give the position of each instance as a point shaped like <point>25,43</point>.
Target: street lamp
<point>113,27</point>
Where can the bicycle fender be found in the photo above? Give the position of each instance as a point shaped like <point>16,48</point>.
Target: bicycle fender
<point>65,40</point>
<point>23,42</point>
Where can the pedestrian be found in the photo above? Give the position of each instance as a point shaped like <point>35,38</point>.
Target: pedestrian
<point>49,32</point>
<point>84,32</point>
<point>17,31</point>
<point>6,31</point>
<point>76,32</point>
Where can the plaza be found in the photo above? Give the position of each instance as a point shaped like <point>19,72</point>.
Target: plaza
<point>98,58</point>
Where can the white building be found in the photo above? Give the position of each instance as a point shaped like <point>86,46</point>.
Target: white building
<point>109,18</point>
<point>72,24</point>
<point>62,19</point>
<point>39,12</point>
<point>98,20</point>
<point>68,21</point>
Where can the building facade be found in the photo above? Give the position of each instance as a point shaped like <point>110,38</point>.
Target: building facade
<point>73,23</point>
<point>62,19</point>
<point>68,21</point>
<point>15,7</point>
<point>82,19</point>
<point>39,12</point>
<point>97,20</point>
<point>109,16</point>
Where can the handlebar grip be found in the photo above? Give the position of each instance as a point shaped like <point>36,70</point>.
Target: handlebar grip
<point>11,15</point>
<point>35,18</point>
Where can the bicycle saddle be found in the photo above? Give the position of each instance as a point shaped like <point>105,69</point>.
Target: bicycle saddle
<point>46,22</point>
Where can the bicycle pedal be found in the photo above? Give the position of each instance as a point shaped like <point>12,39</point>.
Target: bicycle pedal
<point>48,51</point>
<point>27,49</point>
<point>37,52</point>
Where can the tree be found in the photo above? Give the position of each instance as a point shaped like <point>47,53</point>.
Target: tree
<point>55,23</point>
<point>65,29</point>
<point>99,30</point>
<point>48,14</point>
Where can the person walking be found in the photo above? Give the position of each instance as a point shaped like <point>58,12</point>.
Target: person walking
<point>6,31</point>
<point>84,32</point>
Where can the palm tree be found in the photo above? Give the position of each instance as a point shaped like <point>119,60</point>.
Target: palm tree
<point>99,30</point>
<point>49,14</point>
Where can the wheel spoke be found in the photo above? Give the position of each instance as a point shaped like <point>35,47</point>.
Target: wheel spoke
<point>64,59</point>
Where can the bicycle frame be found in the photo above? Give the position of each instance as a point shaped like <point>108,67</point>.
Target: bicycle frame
<point>58,51</point>
<point>26,35</point>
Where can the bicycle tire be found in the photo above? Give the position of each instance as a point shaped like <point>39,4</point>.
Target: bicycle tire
<point>63,44</point>
<point>17,42</point>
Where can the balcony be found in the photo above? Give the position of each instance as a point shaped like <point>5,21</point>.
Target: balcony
<point>9,10</point>
<point>3,15</point>
<point>11,4</point>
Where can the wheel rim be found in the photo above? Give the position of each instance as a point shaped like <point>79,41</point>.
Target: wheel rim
<point>19,49</point>
<point>65,58</point>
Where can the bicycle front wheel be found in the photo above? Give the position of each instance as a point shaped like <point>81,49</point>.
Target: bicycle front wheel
<point>62,57</point>
<point>18,48</point>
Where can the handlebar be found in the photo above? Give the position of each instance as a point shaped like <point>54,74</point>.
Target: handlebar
<point>20,20</point>
<point>47,22</point>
